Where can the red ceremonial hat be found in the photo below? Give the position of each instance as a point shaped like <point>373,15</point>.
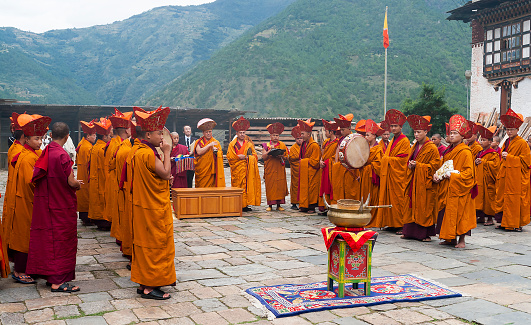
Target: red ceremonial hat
<point>88,128</point>
<point>374,128</point>
<point>20,119</point>
<point>275,128</point>
<point>38,126</point>
<point>418,122</point>
<point>103,126</point>
<point>241,124</point>
<point>360,126</point>
<point>486,133</point>
<point>461,125</point>
<point>394,116</point>
<point>153,120</point>
<point>385,126</point>
<point>306,126</point>
<point>121,120</point>
<point>133,130</point>
<point>447,128</point>
<point>344,121</point>
<point>296,132</point>
<point>13,118</point>
<point>512,120</point>
<point>330,126</point>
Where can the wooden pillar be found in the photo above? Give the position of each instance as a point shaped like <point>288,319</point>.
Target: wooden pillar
<point>505,96</point>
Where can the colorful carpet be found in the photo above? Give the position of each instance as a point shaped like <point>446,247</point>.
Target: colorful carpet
<point>289,299</point>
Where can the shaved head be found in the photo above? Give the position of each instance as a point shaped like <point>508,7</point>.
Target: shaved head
<point>60,130</point>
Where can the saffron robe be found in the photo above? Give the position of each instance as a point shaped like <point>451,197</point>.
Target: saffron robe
<point>455,195</point>
<point>82,162</point>
<point>393,182</point>
<point>486,174</point>
<point>475,148</point>
<point>293,159</point>
<point>244,173</point>
<point>512,184</point>
<point>97,181</point>
<point>421,191</point>
<point>309,174</point>
<point>345,182</point>
<point>17,222</point>
<point>370,178</point>
<point>153,247</point>
<point>53,235</point>
<point>209,167</point>
<point>179,179</point>
<point>275,175</point>
<point>384,145</point>
<point>111,183</point>
<point>125,200</point>
<point>9,198</point>
<point>328,152</point>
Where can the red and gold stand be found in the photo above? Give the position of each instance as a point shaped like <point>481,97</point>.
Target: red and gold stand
<point>349,257</point>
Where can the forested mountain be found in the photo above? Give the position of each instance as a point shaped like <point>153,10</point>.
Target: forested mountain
<point>319,58</point>
<point>126,61</point>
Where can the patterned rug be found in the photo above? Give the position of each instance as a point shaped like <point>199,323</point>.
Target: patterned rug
<point>289,299</point>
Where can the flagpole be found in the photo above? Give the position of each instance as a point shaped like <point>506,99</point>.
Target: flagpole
<point>385,75</point>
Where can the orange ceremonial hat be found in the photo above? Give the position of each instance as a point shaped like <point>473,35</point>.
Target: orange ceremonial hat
<point>206,124</point>
<point>306,126</point>
<point>121,120</point>
<point>20,119</point>
<point>275,128</point>
<point>360,126</point>
<point>344,121</point>
<point>153,120</point>
<point>88,128</point>
<point>103,126</point>
<point>512,120</point>
<point>385,126</point>
<point>418,122</point>
<point>461,125</point>
<point>394,116</point>
<point>38,126</point>
<point>241,124</point>
<point>374,128</point>
<point>486,133</point>
<point>296,132</point>
<point>330,126</point>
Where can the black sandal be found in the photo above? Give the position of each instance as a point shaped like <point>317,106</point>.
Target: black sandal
<point>519,229</point>
<point>66,287</point>
<point>24,279</point>
<point>156,294</point>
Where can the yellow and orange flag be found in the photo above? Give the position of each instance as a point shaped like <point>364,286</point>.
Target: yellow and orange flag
<point>385,32</point>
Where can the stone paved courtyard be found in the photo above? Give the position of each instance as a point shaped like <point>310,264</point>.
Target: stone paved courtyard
<point>216,259</point>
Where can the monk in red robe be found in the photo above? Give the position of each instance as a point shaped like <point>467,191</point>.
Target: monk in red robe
<point>153,246</point>
<point>328,153</point>
<point>293,158</point>
<point>179,179</point>
<point>421,193</point>
<point>436,139</point>
<point>53,235</point>
<point>472,141</point>
<point>457,188</point>
<point>512,183</point>
<point>370,172</point>
<point>496,144</point>
<point>343,179</point>
<point>309,176</point>
<point>208,157</point>
<point>274,168</point>
<point>487,163</point>
<point>243,162</point>
<point>384,142</point>
<point>82,161</point>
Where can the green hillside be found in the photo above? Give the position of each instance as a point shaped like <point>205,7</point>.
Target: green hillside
<point>319,58</point>
<point>126,61</point>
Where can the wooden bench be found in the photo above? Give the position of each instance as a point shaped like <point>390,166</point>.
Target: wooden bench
<point>207,202</point>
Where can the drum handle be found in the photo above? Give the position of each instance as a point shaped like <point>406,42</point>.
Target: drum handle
<point>326,203</point>
<point>378,206</point>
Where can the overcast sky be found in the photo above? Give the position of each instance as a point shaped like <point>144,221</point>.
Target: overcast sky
<point>42,15</point>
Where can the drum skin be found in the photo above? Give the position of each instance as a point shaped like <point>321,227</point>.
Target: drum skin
<point>167,138</point>
<point>354,151</point>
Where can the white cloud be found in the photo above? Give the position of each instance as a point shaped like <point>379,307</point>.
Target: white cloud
<point>42,15</point>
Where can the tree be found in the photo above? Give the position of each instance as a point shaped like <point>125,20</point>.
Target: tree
<point>433,103</point>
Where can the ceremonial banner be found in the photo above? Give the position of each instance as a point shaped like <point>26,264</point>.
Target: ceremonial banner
<point>385,33</point>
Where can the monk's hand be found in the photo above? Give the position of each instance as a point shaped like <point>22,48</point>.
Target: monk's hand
<point>436,178</point>
<point>241,157</point>
<point>165,147</point>
<point>80,181</point>
<point>478,161</point>
<point>504,155</point>
<point>412,164</point>
<point>321,163</point>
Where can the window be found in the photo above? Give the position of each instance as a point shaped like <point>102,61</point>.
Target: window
<point>489,48</point>
<point>489,35</point>
<point>525,52</point>
<point>496,57</point>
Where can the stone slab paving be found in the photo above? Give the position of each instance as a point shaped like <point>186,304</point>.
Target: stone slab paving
<point>218,258</point>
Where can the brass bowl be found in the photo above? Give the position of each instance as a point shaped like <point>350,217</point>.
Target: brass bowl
<point>348,218</point>
<point>348,204</point>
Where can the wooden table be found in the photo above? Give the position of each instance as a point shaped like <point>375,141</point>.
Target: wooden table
<point>207,202</point>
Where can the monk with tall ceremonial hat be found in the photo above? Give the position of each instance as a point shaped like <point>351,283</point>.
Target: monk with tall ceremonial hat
<point>243,162</point>
<point>153,246</point>
<point>421,193</point>
<point>370,172</point>
<point>17,221</point>
<point>275,154</point>
<point>343,179</point>
<point>98,177</point>
<point>82,162</point>
<point>393,175</point>
<point>384,142</point>
<point>457,187</point>
<point>309,168</point>
<point>487,163</point>
<point>294,166</point>
<point>512,183</point>
<point>328,152</point>
<point>472,142</point>
<point>208,157</point>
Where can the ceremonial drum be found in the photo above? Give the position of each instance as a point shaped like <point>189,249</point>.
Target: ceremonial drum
<point>167,138</point>
<point>353,151</point>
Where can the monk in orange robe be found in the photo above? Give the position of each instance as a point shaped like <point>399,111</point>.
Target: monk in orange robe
<point>328,153</point>
<point>208,157</point>
<point>274,168</point>
<point>82,161</point>
<point>343,179</point>
<point>293,159</point>
<point>370,172</point>
<point>487,163</point>
<point>512,183</point>
<point>17,222</point>
<point>309,169</point>
<point>153,246</point>
<point>98,176</point>
<point>421,193</point>
<point>243,162</point>
<point>472,141</point>
<point>457,188</point>
<point>393,175</point>
<point>384,142</point>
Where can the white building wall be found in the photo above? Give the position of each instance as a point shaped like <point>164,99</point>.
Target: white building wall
<point>483,97</point>
<point>521,98</point>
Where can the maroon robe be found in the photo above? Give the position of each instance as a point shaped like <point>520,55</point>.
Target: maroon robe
<point>441,149</point>
<point>179,179</point>
<point>53,234</point>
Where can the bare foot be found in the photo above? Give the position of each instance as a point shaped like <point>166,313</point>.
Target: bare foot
<point>460,245</point>
<point>447,242</point>
<point>426,240</point>
<point>403,237</point>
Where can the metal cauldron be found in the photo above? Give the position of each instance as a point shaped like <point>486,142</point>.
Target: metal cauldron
<point>351,218</point>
